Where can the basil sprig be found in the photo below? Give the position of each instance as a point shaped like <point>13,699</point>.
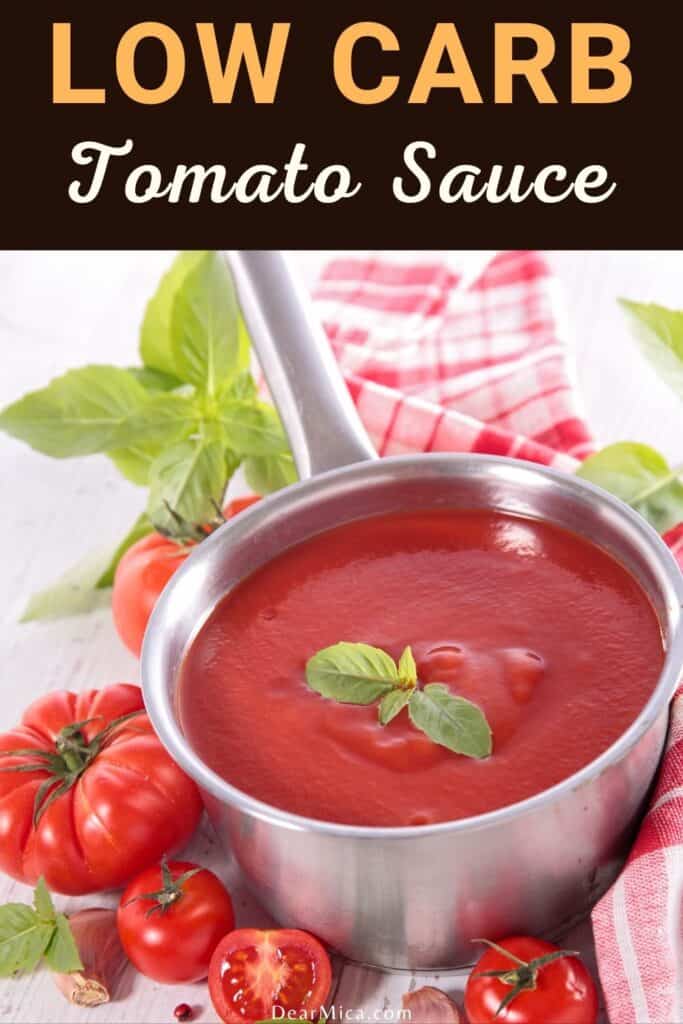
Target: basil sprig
<point>637,473</point>
<point>31,933</point>
<point>180,424</point>
<point>357,673</point>
<point>642,478</point>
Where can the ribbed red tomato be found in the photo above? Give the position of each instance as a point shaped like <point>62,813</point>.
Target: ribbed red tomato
<point>88,795</point>
<point>144,571</point>
<point>257,975</point>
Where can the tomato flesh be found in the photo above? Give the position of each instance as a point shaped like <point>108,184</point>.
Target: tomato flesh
<point>256,975</point>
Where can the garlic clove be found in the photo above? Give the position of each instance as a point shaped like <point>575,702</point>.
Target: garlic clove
<point>99,946</point>
<point>431,1006</point>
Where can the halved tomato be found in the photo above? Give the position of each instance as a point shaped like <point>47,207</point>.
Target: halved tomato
<point>257,975</point>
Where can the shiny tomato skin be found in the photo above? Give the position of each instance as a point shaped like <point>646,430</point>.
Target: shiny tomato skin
<point>264,964</point>
<point>131,805</point>
<point>565,992</point>
<point>240,504</point>
<point>174,946</point>
<point>144,571</point>
<point>140,576</point>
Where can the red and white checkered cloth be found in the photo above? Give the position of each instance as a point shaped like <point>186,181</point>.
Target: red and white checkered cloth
<point>470,354</point>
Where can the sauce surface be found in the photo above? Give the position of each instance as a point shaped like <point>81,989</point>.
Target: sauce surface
<point>551,637</point>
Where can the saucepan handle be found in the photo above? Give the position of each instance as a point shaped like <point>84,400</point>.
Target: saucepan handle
<point>317,412</point>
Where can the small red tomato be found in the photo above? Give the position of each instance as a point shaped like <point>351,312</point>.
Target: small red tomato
<point>527,981</point>
<point>170,920</point>
<point>141,575</point>
<point>257,975</point>
<point>144,571</point>
<point>240,504</point>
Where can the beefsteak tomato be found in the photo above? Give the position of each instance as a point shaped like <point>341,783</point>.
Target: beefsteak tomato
<point>88,795</point>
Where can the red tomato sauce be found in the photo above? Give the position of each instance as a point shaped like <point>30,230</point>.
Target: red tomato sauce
<point>549,635</point>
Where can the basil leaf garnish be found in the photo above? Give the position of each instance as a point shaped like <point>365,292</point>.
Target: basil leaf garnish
<point>269,473</point>
<point>352,673</point>
<point>642,478</point>
<point>205,339</point>
<point>451,721</point>
<point>356,673</point>
<point>392,704</point>
<point>96,409</point>
<point>188,481</point>
<point>29,933</point>
<point>180,425</point>
<point>156,348</point>
<point>252,428</point>
<point>659,332</point>
<point>407,669</point>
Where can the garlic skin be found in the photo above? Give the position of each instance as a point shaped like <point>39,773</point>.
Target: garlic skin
<point>99,946</point>
<point>431,1006</point>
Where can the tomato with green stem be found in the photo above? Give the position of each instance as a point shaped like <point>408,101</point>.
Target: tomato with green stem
<point>522,980</point>
<point>148,565</point>
<point>88,795</point>
<point>257,975</point>
<point>170,920</point>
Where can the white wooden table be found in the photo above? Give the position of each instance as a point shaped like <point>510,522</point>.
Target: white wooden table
<point>61,310</point>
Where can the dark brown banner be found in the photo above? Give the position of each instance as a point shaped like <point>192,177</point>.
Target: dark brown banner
<point>299,125</point>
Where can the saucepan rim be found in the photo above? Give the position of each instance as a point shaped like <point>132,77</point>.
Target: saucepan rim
<point>159,700</point>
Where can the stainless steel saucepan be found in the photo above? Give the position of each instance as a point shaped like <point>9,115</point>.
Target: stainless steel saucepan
<point>407,897</point>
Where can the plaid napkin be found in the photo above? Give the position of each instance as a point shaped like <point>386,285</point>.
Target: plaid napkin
<point>470,353</point>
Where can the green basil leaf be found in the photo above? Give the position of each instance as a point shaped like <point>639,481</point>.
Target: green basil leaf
<point>659,332</point>
<point>352,673</point>
<point>190,479</point>
<point>80,413</point>
<point>96,409</point>
<point>407,669</point>
<point>242,387</point>
<point>23,938</point>
<point>74,593</point>
<point>134,463</point>
<point>453,722</point>
<point>642,478</point>
<point>155,380</point>
<point>42,902</point>
<point>62,953</point>
<point>270,473</point>
<point>253,428</point>
<point>142,527</point>
<point>392,704</point>
<point>208,348</point>
<point>156,348</point>
<point>82,588</point>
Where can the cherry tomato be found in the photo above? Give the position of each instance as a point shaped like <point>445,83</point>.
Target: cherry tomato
<point>534,982</point>
<point>170,920</point>
<point>104,799</point>
<point>144,571</point>
<point>240,504</point>
<point>256,975</point>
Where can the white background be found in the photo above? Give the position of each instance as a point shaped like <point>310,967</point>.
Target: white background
<point>62,310</point>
